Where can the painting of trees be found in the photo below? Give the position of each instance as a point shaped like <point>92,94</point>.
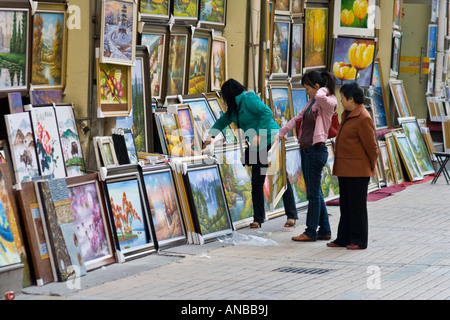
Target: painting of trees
<point>316,24</point>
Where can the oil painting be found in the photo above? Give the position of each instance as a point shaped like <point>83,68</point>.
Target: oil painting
<point>185,9</point>
<point>154,8</point>
<point>199,65</point>
<point>156,45</point>
<point>213,12</point>
<point>13,49</point>
<point>219,69</point>
<point>376,92</point>
<point>15,102</point>
<point>176,65</point>
<point>187,126</point>
<point>316,26</point>
<point>281,106</point>
<point>407,155</point>
<point>280,47</point>
<point>354,17</point>
<point>48,52</point>
<point>295,174</point>
<point>299,100</point>
<point>395,158</point>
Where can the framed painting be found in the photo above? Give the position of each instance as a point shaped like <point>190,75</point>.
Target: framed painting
<point>407,155</point>
<point>129,219</point>
<point>281,105</point>
<point>14,49</point>
<point>141,121</point>
<point>107,152</point>
<point>432,39</point>
<point>49,46</point>
<point>91,221</point>
<point>213,14</point>
<point>281,47</point>
<point>171,135</point>
<point>36,233</point>
<point>154,9</point>
<point>395,158</point>
<point>219,63</point>
<point>299,99</point>
<point>354,17</point>
<point>131,146</point>
<point>176,63</point>
<point>446,133</point>
<point>199,62</point>
<point>236,184</point>
<point>185,10</point>
<point>397,18</point>
<point>297,51</point>
<point>48,145</point>
<point>329,183</point>
<point>15,102</point>
<point>164,205</point>
<point>386,162</point>
<point>316,37</point>
<point>295,173</point>
<point>22,146</point>
<point>376,92</point>
<point>155,39</point>
<point>38,97</point>
<point>277,176</point>
<point>400,98</point>
<point>396,51</point>
<point>113,90</point>
<point>207,201</point>
<point>430,82</point>
<point>353,60</point>
<point>191,139</point>
<point>70,140</point>
<point>282,7</point>
<point>203,116</point>
<point>268,34</point>
<point>418,145</point>
<point>297,7</point>
<point>433,109</point>
<point>218,108</point>
<point>118,32</point>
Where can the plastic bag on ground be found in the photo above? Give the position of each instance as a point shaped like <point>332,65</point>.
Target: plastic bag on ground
<point>239,239</point>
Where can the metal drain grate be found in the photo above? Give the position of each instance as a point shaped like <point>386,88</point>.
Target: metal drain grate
<point>302,270</point>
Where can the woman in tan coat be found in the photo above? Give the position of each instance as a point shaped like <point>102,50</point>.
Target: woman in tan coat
<point>356,153</point>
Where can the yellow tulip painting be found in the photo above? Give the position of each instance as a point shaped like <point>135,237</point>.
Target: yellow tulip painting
<point>316,25</point>
<point>354,17</point>
<point>353,60</point>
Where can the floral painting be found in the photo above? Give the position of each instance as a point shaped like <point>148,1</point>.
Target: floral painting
<point>209,201</point>
<point>22,146</point>
<point>316,26</point>
<point>89,221</point>
<point>70,141</point>
<point>155,44</point>
<point>354,17</point>
<point>118,36</point>
<point>176,65</point>
<point>198,66</point>
<point>163,201</point>
<point>48,147</point>
<point>13,49</point>
<point>353,60</point>
<point>127,214</point>
<point>218,63</point>
<point>48,49</point>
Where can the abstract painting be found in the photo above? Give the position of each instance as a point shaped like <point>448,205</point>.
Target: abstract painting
<point>353,60</point>
<point>163,202</point>
<point>48,146</point>
<point>13,49</point>
<point>118,33</point>
<point>22,146</point>
<point>70,141</point>
<point>15,102</point>
<point>48,52</point>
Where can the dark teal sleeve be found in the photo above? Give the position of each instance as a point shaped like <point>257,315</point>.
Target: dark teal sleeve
<point>220,124</point>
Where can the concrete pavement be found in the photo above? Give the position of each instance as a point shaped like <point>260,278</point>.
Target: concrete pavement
<point>408,257</point>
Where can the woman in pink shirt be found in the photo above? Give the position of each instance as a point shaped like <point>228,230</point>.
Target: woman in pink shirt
<point>312,137</point>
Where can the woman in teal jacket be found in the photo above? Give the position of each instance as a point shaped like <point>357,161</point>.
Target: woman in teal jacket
<point>249,113</point>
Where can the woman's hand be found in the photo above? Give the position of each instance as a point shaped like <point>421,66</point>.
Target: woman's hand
<point>207,141</point>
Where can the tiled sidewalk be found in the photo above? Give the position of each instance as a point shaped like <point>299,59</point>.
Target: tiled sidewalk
<point>408,258</point>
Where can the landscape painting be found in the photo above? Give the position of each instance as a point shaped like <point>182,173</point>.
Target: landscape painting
<point>213,11</point>
<point>118,35</point>
<point>209,200</point>
<point>295,174</point>
<point>280,47</point>
<point>198,66</point>
<point>22,146</point>
<point>187,126</point>
<point>163,202</point>
<point>13,49</point>
<point>297,50</point>
<point>299,100</point>
<point>376,92</point>
<point>186,9</point>
<point>155,8</point>
<point>15,102</point>
<point>316,26</point>
<point>418,146</point>
<point>219,72</point>
<point>407,155</point>
<point>46,96</point>
<point>48,49</point>
<point>70,141</point>
<point>127,214</point>
<point>281,106</point>
<point>155,44</point>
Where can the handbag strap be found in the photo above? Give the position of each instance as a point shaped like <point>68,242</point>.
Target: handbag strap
<point>310,107</point>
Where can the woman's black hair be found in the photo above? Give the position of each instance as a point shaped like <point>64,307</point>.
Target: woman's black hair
<point>230,90</point>
<point>324,79</point>
<point>353,90</point>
